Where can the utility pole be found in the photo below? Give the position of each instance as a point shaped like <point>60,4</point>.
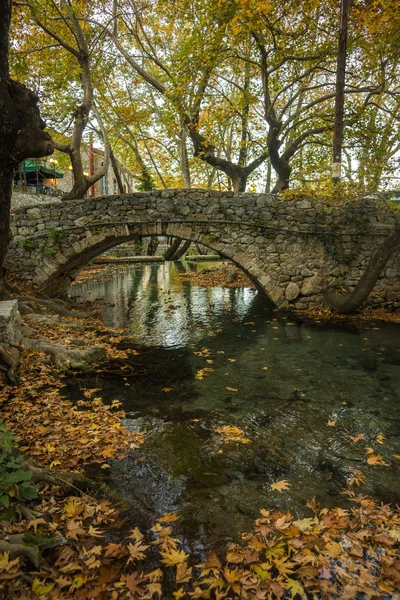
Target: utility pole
<point>339,98</point>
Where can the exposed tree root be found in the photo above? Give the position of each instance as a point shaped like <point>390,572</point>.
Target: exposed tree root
<point>30,546</point>
<point>9,361</point>
<point>55,321</point>
<point>14,550</point>
<point>31,304</point>
<point>67,358</point>
<point>351,302</point>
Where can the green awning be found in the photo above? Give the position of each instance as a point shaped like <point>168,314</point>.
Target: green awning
<point>30,166</point>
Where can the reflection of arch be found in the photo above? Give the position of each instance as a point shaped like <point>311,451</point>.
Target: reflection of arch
<point>57,273</point>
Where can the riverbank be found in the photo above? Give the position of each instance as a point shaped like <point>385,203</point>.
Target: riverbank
<point>218,276</point>
<point>84,548</point>
<point>226,275</point>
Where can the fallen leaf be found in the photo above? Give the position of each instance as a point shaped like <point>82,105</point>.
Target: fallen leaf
<point>279,486</point>
<point>173,557</point>
<point>168,518</point>
<point>356,438</point>
<point>376,459</point>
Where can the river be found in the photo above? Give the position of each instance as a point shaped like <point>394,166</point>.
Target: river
<point>220,357</point>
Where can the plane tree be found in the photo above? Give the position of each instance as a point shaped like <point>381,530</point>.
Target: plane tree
<point>22,135</point>
<point>181,52</point>
<point>64,63</point>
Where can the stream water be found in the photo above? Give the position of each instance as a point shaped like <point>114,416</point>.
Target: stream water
<point>278,378</point>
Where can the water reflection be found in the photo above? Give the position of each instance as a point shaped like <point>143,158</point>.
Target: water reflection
<point>157,306</point>
<point>279,379</point>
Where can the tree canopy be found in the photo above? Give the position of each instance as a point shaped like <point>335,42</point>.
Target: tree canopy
<point>214,93</point>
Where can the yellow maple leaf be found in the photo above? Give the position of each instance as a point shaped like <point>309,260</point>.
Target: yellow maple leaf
<point>168,518</point>
<point>305,524</point>
<point>136,551</point>
<point>279,486</point>
<point>173,557</point>
<point>95,532</point>
<point>376,459</point>
<point>356,438</point>
<point>74,507</point>
<point>295,588</point>
<point>40,588</point>
<point>3,561</point>
<point>230,389</point>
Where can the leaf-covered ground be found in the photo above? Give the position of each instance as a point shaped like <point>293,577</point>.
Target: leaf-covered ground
<point>217,276</point>
<point>333,553</point>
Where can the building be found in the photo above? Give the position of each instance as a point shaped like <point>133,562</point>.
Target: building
<point>38,177</point>
<point>92,160</point>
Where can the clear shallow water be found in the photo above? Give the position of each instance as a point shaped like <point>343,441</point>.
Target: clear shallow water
<point>348,373</point>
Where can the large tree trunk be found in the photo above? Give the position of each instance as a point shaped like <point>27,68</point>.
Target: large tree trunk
<point>6,178</point>
<point>172,249</point>
<point>181,251</point>
<point>21,136</point>
<point>280,165</point>
<point>351,302</point>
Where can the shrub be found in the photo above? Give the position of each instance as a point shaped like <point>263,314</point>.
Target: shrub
<point>15,477</point>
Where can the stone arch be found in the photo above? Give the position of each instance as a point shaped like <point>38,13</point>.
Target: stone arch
<point>57,273</point>
<point>291,250</point>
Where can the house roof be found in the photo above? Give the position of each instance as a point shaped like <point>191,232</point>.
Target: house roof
<point>31,166</point>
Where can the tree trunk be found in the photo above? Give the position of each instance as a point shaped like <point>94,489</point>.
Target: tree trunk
<point>184,159</point>
<point>281,166</point>
<point>181,251</point>
<point>116,172</point>
<point>339,97</point>
<point>172,249</point>
<point>283,171</point>
<point>239,182</point>
<point>21,136</point>
<point>152,247</point>
<point>268,181</point>
<point>351,302</point>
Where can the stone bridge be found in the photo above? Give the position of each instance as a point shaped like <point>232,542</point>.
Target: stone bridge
<point>292,249</point>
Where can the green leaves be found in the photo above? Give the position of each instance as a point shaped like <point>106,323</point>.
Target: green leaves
<point>15,481</point>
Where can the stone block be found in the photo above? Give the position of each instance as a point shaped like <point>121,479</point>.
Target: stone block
<point>312,285</point>
<point>10,323</point>
<point>292,291</point>
<point>276,294</point>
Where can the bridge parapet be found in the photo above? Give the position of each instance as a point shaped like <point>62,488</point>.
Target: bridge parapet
<point>292,249</point>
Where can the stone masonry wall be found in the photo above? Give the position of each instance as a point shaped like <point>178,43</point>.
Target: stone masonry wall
<point>22,199</point>
<point>293,250</point>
